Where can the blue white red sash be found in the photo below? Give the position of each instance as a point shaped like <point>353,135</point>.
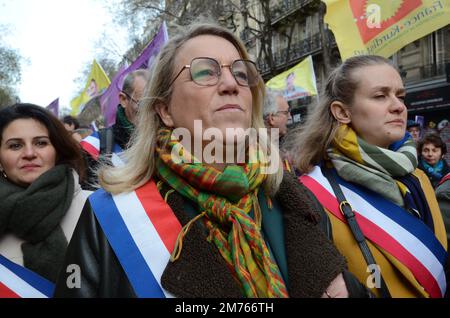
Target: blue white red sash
<point>142,230</point>
<point>390,227</point>
<point>91,144</point>
<point>19,282</point>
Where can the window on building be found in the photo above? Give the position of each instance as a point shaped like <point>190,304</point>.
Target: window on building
<point>415,60</point>
<point>443,46</point>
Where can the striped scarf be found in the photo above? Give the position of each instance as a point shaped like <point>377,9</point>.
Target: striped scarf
<point>373,167</point>
<point>226,198</point>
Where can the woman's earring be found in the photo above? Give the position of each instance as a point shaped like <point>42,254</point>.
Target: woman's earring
<point>4,174</point>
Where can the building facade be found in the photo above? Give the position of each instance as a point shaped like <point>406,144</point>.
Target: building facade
<point>296,30</point>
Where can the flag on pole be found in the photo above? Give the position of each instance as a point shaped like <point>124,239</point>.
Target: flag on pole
<point>297,82</point>
<point>383,27</point>
<point>110,99</point>
<point>96,84</point>
<point>54,107</point>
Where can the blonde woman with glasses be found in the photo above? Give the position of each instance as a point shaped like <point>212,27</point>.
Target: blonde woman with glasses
<point>170,223</point>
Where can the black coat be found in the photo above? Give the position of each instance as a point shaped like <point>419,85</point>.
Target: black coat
<point>312,260</point>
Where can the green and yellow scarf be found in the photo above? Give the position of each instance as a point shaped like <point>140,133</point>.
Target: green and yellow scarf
<point>373,167</point>
<point>225,199</point>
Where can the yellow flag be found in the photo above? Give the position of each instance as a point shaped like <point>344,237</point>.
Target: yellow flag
<point>96,84</point>
<point>382,27</point>
<point>297,82</point>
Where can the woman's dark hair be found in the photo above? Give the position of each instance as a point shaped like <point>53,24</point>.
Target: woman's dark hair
<point>71,121</point>
<point>435,140</point>
<point>67,149</point>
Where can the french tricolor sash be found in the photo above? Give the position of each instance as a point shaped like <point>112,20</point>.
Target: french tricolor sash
<point>142,230</point>
<point>91,144</point>
<point>19,282</point>
<point>389,226</point>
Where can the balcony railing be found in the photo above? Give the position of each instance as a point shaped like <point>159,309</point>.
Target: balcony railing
<point>285,8</point>
<point>297,51</point>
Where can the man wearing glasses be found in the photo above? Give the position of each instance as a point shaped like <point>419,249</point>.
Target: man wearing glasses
<point>130,96</point>
<point>112,141</point>
<point>276,114</point>
<point>276,111</point>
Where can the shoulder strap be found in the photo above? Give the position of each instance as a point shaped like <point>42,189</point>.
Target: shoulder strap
<point>347,211</point>
<point>106,140</point>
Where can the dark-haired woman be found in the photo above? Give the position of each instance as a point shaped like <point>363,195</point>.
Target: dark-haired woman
<point>431,150</point>
<point>40,199</point>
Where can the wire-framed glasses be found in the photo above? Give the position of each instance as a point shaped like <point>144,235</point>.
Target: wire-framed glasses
<point>131,98</point>
<point>206,71</point>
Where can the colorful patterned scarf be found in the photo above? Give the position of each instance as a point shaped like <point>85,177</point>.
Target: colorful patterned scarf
<point>373,167</point>
<point>226,197</point>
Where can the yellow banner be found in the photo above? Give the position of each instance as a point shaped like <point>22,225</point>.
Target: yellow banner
<point>297,82</point>
<point>96,84</point>
<point>382,27</point>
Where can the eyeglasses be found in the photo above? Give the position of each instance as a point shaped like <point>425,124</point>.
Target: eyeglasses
<point>284,112</point>
<point>206,71</point>
<point>131,98</point>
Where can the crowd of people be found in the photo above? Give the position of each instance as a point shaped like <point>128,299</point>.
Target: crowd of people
<point>168,203</point>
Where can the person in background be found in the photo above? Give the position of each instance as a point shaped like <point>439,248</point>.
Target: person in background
<point>276,111</point>
<point>40,197</point>
<point>358,160</point>
<point>413,128</point>
<point>108,143</point>
<point>276,114</point>
<point>70,123</point>
<point>130,97</point>
<point>431,150</point>
<point>217,229</point>
<point>81,133</point>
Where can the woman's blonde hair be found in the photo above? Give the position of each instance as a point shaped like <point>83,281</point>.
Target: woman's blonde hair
<point>308,143</point>
<point>140,156</point>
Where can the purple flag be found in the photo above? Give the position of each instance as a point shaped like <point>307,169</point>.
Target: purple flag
<point>54,107</point>
<point>110,99</point>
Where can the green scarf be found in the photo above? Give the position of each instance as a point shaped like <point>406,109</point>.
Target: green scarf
<point>370,166</point>
<point>34,214</point>
<point>226,198</point>
<point>123,121</point>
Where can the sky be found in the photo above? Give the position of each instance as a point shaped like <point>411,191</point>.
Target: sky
<point>56,38</point>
